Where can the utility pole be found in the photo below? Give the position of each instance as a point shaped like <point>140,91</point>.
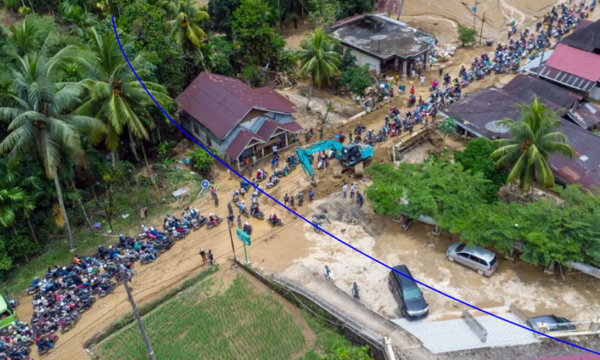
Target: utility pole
<point>232,247</point>
<point>474,13</point>
<point>481,33</point>
<point>400,10</point>
<point>549,33</point>
<point>136,314</point>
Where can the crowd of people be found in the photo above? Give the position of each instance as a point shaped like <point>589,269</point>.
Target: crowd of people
<point>65,292</point>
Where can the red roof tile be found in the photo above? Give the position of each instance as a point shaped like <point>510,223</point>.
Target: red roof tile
<point>574,61</point>
<point>220,102</point>
<point>239,143</point>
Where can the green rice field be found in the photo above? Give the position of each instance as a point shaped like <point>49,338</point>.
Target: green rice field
<point>238,323</point>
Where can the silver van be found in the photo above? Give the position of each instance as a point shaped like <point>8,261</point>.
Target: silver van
<point>477,258</point>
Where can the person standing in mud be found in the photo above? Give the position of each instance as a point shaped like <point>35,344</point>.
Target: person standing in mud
<point>203,255</point>
<point>211,257</point>
<point>286,199</point>
<point>345,189</point>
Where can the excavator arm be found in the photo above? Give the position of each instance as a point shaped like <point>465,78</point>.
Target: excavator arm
<point>306,151</point>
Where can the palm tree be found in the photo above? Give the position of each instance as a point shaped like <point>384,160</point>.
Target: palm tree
<point>22,197</point>
<point>318,58</point>
<point>12,199</point>
<point>532,141</point>
<point>116,96</point>
<point>186,18</point>
<point>23,37</point>
<point>38,110</point>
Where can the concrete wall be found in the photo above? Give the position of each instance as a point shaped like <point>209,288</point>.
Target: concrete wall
<point>362,59</point>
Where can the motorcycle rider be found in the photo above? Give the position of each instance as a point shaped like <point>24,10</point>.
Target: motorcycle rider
<point>213,219</point>
<point>247,228</point>
<point>254,209</point>
<point>273,218</point>
<point>242,206</point>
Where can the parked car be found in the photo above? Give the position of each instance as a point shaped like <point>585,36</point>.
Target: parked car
<point>407,294</point>
<point>553,322</point>
<point>477,258</point>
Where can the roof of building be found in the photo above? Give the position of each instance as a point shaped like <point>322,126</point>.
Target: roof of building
<point>577,62</point>
<point>219,102</point>
<point>480,112</point>
<point>564,78</point>
<point>582,25</point>
<point>527,87</point>
<point>381,37</point>
<point>261,130</point>
<point>586,38</point>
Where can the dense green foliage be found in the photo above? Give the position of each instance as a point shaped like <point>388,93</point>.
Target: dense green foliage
<point>202,160</point>
<point>476,158</point>
<point>551,231</point>
<point>357,79</point>
<point>256,41</point>
<point>447,126</point>
<point>532,140</point>
<point>466,35</point>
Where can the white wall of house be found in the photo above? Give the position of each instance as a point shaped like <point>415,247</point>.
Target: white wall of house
<point>362,59</point>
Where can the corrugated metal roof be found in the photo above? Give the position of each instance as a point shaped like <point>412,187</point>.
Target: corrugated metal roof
<point>585,37</point>
<point>566,79</point>
<point>491,104</point>
<point>576,62</point>
<point>527,87</point>
<point>220,102</point>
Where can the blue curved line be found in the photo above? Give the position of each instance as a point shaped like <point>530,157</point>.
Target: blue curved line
<point>348,245</point>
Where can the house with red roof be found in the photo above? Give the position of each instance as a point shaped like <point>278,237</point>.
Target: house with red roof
<point>236,120</point>
<point>575,62</point>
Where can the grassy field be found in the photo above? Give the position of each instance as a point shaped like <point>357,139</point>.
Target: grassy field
<point>238,323</point>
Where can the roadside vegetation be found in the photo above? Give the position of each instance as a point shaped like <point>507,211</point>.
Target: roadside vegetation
<point>462,195</point>
<point>238,322</point>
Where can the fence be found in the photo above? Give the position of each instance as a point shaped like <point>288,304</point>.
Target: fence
<point>477,328</point>
<point>353,330</point>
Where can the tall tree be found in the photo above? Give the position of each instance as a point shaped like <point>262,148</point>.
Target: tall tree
<point>185,25</point>
<point>318,58</point>
<point>324,12</point>
<point>255,38</point>
<point>116,96</point>
<point>532,141</point>
<point>221,15</point>
<point>38,110</point>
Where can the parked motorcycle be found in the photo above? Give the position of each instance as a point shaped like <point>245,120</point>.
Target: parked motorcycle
<point>210,224</point>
